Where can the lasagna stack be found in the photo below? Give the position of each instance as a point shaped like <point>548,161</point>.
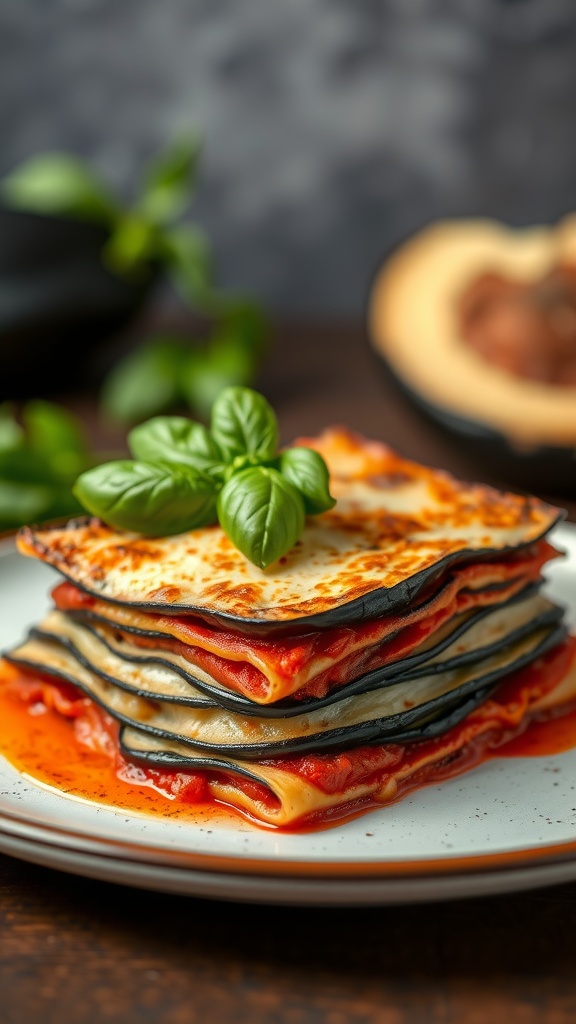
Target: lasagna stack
<point>403,634</point>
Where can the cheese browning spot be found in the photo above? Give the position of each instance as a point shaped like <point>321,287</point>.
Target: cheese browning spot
<point>381,543</point>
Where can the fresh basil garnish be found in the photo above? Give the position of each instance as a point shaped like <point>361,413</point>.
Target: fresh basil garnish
<point>185,476</point>
<point>175,440</point>
<point>307,470</point>
<point>244,423</point>
<point>262,513</point>
<point>145,498</point>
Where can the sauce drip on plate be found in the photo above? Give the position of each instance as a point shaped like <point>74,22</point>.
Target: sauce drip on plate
<point>77,753</point>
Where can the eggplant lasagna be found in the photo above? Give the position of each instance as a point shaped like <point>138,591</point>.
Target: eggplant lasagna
<point>402,637</point>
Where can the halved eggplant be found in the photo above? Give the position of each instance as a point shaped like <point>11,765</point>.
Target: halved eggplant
<point>519,428</point>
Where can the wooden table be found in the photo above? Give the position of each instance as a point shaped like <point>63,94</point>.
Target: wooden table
<point>74,951</point>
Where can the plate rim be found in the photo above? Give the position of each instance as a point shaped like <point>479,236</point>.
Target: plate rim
<point>306,891</point>
<point>26,829</point>
<point>50,834</point>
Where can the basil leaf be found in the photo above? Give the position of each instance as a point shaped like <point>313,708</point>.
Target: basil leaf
<point>55,184</point>
<point>176,440</point>
<point>23,503</point>
<point>55,437</point>
<point>152,500</point>
<point>243,423</point>
<point>131,247</point>
<point>262,513</point>
<point>169,180</point>
<point>244,322</point>
<point>224,363</point>
<point>307,470</point>
<point>185,254</point>
<point>12,435</point>
<point>145,382</point>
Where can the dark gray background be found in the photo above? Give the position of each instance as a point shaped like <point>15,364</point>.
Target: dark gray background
<point>331,128</point>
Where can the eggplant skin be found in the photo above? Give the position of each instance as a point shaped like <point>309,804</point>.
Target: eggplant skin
<point>427,731</point>
<point>388,675</point>
<point>379,602</point>
<point>397,527</point>
<point>166,759</point>
<point>403,728</point>
<point>549,469</point>
<point>396,728</point>
<point>519,433</point>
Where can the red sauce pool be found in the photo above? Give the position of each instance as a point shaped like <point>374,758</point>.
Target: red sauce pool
<point>542,738</point>
<point>41,743</point>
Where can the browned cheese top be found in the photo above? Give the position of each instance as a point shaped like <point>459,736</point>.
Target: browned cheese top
<point>393,519</point>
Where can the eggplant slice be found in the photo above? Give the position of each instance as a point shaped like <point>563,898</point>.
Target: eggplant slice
<point>305,661</point>
<point>381,715</point>
<point>166,676</point>
<point>164,751</point>
<point>396,529</point>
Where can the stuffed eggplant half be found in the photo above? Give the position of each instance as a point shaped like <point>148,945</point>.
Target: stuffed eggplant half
<point>476,322</point>
<point>406,634</point>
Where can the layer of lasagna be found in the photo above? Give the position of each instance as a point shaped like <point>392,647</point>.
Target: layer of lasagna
<point>409,632</point>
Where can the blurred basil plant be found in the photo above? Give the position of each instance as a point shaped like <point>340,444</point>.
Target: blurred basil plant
<point>41,453</point>
<point>146,238</point>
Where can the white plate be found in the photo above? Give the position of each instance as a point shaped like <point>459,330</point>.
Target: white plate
<point>507,825</point>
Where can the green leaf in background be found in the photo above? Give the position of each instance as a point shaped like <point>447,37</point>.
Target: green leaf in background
<point>55,184</point>
<point>246,324</point>
<point>150,499</point>
<point>25,501</point>
<point>185,254</point>
<point>26,466</point>
<point>261,513</point>
<point>56,436</point>
<point>22,503</point>
<point>244,423</point>
<point>39,461</point>
<point>12,435</point>
<point>145,382</point>
<point>175,440</point>
<point>169,181</point>
<point>131,248</point>
<point>207,371</point>
<point>307,470</point>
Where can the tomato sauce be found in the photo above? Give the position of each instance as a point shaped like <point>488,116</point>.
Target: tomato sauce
<point>62,739</point>
<point>42,742</point>
<point>351,651</point>
<point>544,737</point>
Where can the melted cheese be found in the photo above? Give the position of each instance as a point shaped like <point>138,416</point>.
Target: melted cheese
<point>297,797</point>
<point>269,670</point>
<point>396,527</point>
<point>390,710</point>
<point>165,676</point>
<point>397,611</point>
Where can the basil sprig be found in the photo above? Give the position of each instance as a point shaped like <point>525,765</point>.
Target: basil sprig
<point>185,475</point>
<point>262,513</point>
